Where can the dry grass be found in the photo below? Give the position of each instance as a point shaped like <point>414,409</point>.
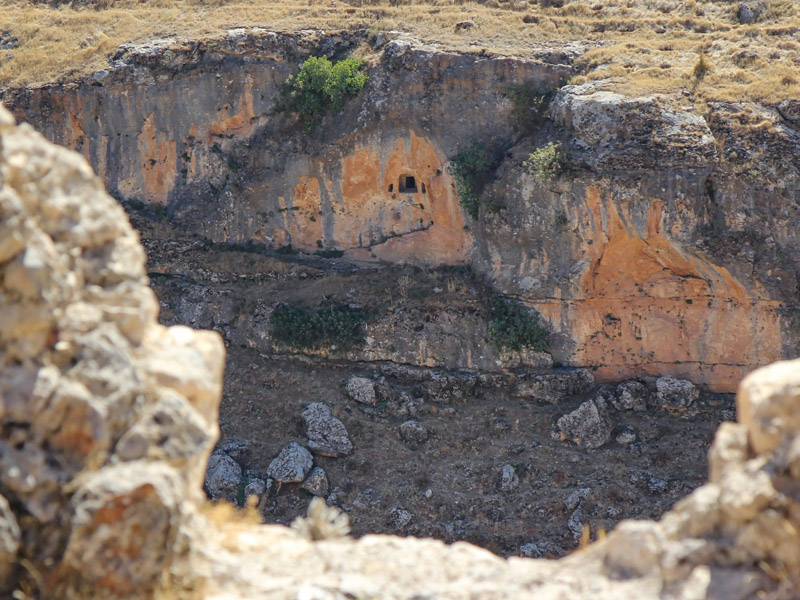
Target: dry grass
<point>641,46</point>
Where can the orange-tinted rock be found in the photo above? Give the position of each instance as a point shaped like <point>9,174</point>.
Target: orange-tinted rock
<point>367,213</point>
<point>644,305</point>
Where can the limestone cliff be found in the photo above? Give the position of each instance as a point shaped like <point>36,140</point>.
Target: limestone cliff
<point>670,249</point>
<point>108,418</point>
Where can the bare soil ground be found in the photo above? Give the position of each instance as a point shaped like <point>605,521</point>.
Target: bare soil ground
<point>448,483</point>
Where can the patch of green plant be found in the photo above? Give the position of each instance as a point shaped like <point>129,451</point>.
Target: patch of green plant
<point>330,253</point>
<point>286,250</point>
<point>470,168</point>
<point>330,327</point>
<point>514,326</point>
<point>527,105</point>
<point>321,86</point>
<point>548,162</point>
<point>243,483</point>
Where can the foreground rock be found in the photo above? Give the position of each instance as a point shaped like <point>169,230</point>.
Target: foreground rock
<point>113,415</point>
<point>83,360</point>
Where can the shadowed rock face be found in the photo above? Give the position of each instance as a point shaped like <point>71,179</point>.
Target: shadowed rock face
<point>108,419</point>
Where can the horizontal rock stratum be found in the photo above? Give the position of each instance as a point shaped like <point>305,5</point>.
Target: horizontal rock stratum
<point>108,419</point>
<point>671,248</point>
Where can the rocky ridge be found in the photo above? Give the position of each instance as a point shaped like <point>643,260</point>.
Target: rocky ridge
<point>108,420</point>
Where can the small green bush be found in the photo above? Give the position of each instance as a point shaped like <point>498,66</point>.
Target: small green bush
<point>527,104</point>
<point>328,327</point>
<point>469,167</point>
<point>320,86</point>
<point>548,162</point>
<point>514,326</point>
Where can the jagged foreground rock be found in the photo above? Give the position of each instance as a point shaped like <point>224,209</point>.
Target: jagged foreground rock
<point>108,419</point>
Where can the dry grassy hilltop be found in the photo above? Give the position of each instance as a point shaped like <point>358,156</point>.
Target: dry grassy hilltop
<point>718,49</point>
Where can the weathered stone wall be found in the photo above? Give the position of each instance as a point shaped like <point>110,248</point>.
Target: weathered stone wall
<point>671,248</point>
<point>108,418</point>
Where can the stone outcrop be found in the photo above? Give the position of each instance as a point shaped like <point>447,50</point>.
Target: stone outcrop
<point>670,248</point>
<point>84,365</point>
<point>108,418</point>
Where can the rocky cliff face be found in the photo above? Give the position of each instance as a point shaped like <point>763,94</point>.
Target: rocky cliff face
<point>671,248</point>
<point>108,418</point>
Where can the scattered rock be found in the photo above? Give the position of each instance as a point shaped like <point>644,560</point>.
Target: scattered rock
<point>509,480</point>
<point>7,41</point>
<point>656,485</point>
<point>630,395</point>
<point>223,476</point>
<point>336,497</point>
<point>413,432</point>
<point>675,394</point>
<point>361,390</point>
<point>556,387</point>
<point>327,435</point>
<point>405,405</point>
<point>750,12</point>
<point>238,449</point>
<point>316,483</point>
<point>366,499</point>
<point>575,523</point>
<point>576,498</point>
<point>291,465</point>
<point>588,425</point>
<point>538,549</point>
<point>255,487</point>
<point>626,435</point>
<point>399,517</point>
<point>443,388</point>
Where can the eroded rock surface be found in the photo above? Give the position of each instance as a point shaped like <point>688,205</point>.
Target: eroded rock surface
<point>84,362</point>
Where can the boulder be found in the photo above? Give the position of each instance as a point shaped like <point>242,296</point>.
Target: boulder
<point>292,464</point>
<point>223,476</point>
<point>238,449</point>
<point>588,425</point>
<point>361,390</point>
<point>413,432</point>
<point>399,517</point>
<point>630,395</point>
<point>509,480</point>
<point>316,483</point>
<point>327,435</point>
<point>675,394</point>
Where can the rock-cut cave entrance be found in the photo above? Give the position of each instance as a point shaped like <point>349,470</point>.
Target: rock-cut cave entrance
<point>408,184</point>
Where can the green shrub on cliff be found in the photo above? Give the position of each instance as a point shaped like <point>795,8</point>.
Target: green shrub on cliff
<point>548,162</point>
<point>470,167</point>
<point>320,86</point>
<point>328,327</point>
<point>514,326</point>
